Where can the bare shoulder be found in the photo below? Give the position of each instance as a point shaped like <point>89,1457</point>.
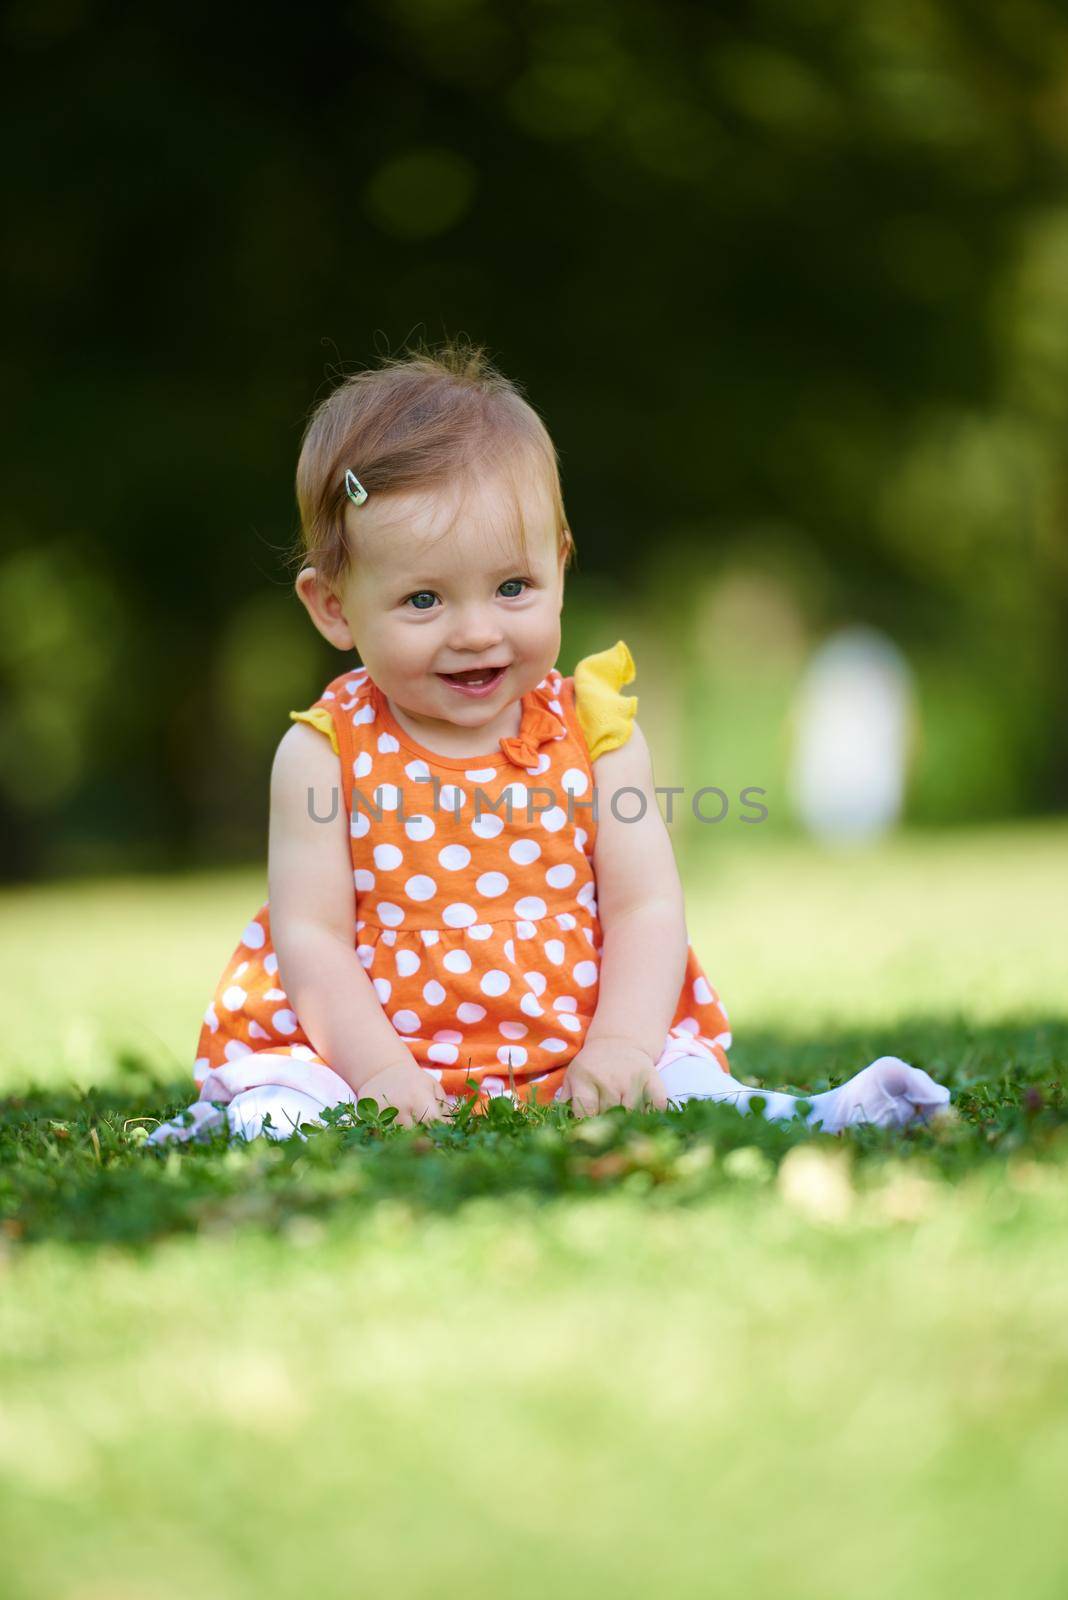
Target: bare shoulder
<point>309,870</point>
<point>631,762</point>
<point>633,858</point>
<point>303,756</point>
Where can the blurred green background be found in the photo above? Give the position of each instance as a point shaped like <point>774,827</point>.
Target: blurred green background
<point>789,285</point>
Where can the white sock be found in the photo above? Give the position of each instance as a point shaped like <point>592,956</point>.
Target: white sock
<point>288,1109</point>
<point>888,1093</point>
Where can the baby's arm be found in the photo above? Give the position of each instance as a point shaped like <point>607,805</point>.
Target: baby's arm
<point>643,918</point>
<point>313,916</point>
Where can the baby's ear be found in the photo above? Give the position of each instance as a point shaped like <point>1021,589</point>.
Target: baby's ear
<point>323,605</point>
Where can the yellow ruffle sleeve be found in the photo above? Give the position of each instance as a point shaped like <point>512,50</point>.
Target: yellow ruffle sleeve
<point>606,715</point>
<point>320,718</point>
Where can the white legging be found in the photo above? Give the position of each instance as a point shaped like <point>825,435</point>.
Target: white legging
<point>888,1093</point>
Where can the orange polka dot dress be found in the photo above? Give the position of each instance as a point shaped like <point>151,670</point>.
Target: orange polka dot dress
<point>475,903</point>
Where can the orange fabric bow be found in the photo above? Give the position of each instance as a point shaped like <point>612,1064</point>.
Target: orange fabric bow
<point>539,724</point>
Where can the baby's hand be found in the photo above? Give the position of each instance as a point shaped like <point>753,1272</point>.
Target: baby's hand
<point>417,1096</point>
<point>612,1072</point>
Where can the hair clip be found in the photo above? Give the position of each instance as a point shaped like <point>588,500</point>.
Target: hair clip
<point>355,489</point>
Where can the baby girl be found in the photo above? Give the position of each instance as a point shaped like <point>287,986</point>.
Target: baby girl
<point>462,899</point>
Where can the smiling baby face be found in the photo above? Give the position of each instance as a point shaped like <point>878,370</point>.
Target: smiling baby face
<point>446,582</point>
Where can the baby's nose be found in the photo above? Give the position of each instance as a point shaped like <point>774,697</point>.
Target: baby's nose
<point>475,632</point>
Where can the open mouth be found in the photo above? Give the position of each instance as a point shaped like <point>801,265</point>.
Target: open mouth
<point>474,677</point>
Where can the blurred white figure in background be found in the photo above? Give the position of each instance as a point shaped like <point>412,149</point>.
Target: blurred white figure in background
<point>852,726</point>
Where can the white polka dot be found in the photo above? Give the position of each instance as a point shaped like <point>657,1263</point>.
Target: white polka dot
<point>580,839</point>
<point>554,1045</point>
<point>481,774</point>
<point>406,1022</point>
<point>429,936</point>
<point>253,936</point>
<point>419,828</point>
<point>487,826</point>
<point>554,949</point>
<point>211,1019</point>
<point>363,880</point>
<point>362,765</point>
<point>556,706</point>
<point>542,764</point>
<point>536,980</point>
<point>446,1053</point>
<point>237,1048</point>
<point>530,907</point>
<point>590,937</point>
<point>566,921</point>
<point>454,856</point>
<point>284,1022</point>
<point>366,953</point>
<point>451,797</point>
<point>511,1055</point>
<point>560,876</point>
<point>566,1020</point>
<point>520,794</point>
<point>575,780</point>
<point>509,949</point>
<point>525,930</point>
<point>433,993</point>
<point>689,1025</point>
<point>387,744</point>
<point>407,962</point>
<point>492,1084</point>
<point>270,963</point>
<point>495,981</point>
<point>524,851</point>
<point>513,1030</point>
<point>491,884</point>
<point>480,930</point>
<point>585,974</point>
<point>383,988</point>
<point>565,1002</point>
<point>530,1007</point>
<point>275,994</point>
<point>389,913</point>
<point>457,961</point>
<point>420,887</point>
<point>389,936</point>
<point>459,915</point>
<point>239,970</point>
<point>448,1036</point>
<point>417,770</point>
<point>387,856</point>
<point>366,713</point>
<point>586,896</point>
<point>469,1012</point>
<point>235,997</point>
<point>553,819</point>
<point>359,824</point>
<point>387,796</point>
<point>701,992</point>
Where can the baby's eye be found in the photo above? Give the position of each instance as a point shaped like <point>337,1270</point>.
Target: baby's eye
<point>418,596</point>
<point>522,583</point>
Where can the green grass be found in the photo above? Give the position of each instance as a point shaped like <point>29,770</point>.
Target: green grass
<point>692,1352</point>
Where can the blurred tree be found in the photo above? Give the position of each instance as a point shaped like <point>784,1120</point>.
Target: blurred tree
<point>757,264</point>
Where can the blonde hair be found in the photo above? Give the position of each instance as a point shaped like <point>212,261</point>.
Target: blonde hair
<point>419,421</point>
